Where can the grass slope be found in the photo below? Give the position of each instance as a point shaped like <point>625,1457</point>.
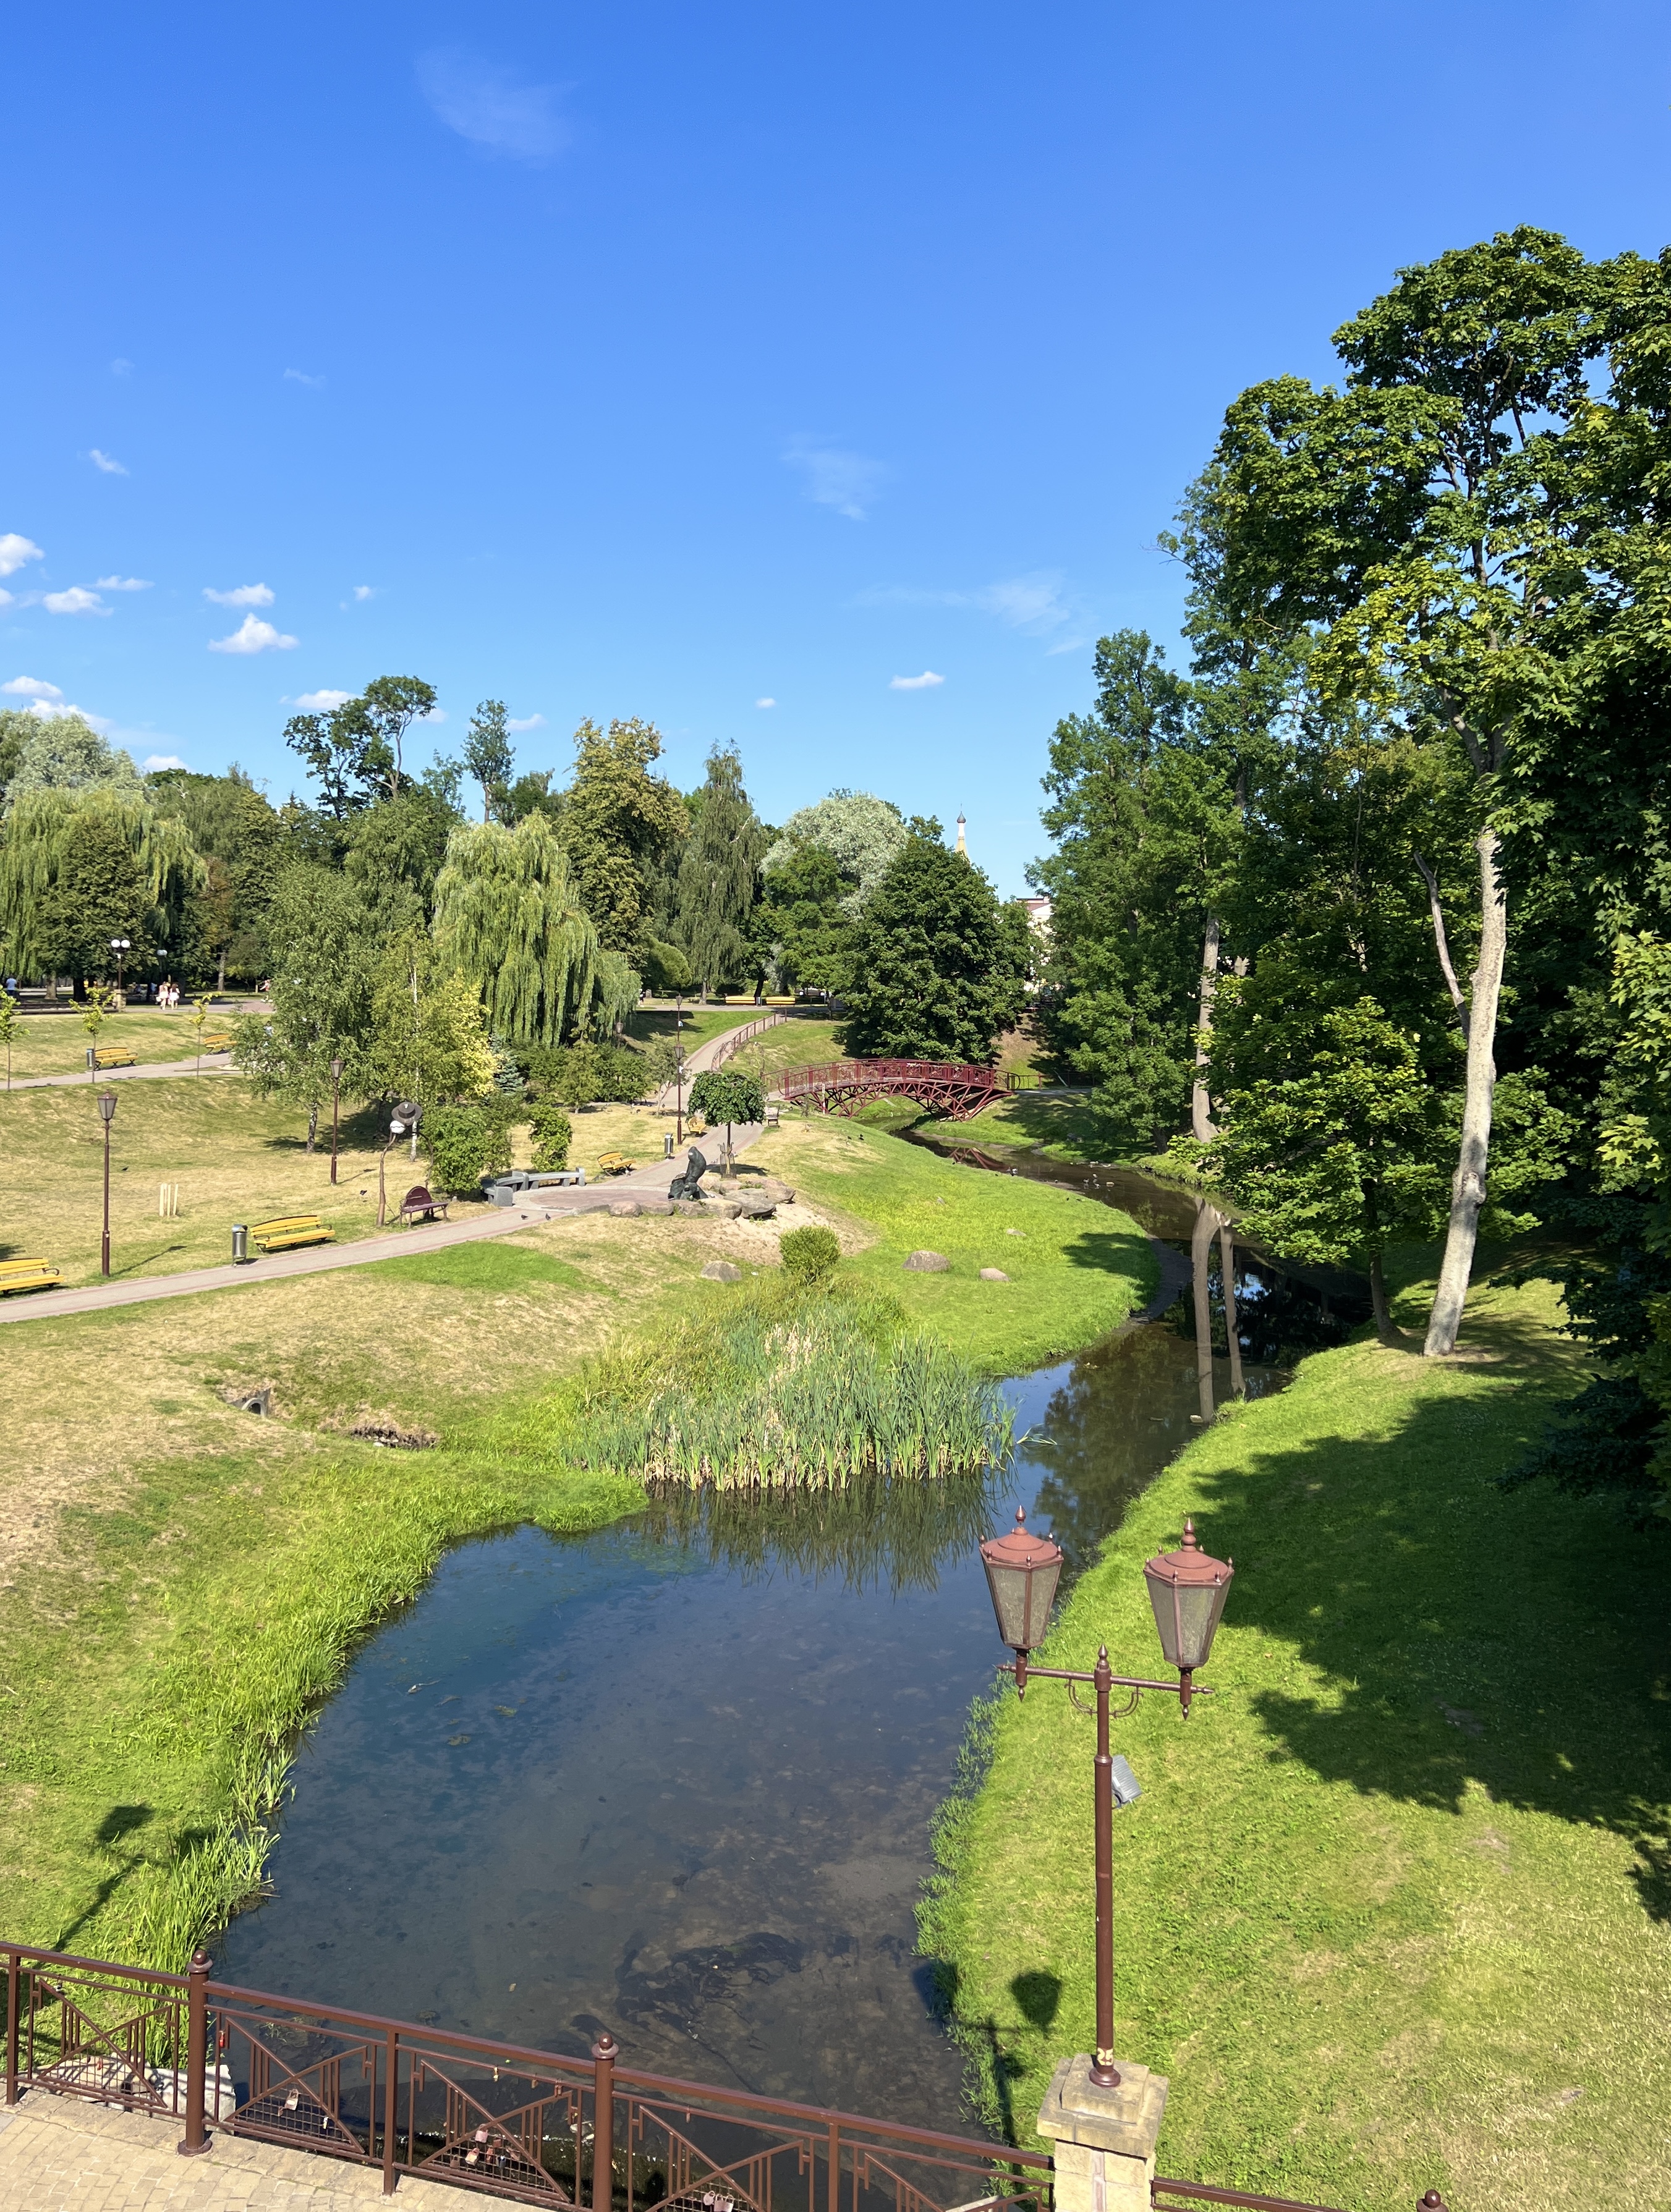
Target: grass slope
<point>1078,1268</point>
<point>55,1044</point>
<point>1394,1910</point>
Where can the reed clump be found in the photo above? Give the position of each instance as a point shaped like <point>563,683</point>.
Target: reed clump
<point>785,1388</point>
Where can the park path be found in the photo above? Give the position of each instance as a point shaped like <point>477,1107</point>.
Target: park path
<point>211,1062</point>
<point>63,2155</point>
<point>650,1181</point>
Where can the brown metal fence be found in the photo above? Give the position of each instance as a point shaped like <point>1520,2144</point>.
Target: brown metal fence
<point>507,2122</point>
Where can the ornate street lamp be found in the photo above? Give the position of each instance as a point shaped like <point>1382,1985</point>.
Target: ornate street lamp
<point>106,1114</point>
<point>121,946</point>
<point>406,1116</point>
<point>1188,1590</point>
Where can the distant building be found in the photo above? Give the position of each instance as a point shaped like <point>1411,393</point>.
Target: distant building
<point>1038,914</point>
<point>961,846</point>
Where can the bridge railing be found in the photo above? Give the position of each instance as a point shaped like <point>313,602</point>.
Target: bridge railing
<point>839,1074</point>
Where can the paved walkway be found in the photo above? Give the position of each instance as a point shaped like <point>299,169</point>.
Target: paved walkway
<point>212,1061</point>
<point>647,1181</point>
<point>62,2155</point>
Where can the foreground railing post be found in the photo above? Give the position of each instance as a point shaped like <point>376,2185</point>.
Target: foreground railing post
<point>13,1970</point>
<point>392,2061</point>
<point>197,2054</point>
<point>605,2052</point>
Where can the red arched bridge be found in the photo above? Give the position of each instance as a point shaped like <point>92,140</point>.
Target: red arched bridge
<point>952,1089</point>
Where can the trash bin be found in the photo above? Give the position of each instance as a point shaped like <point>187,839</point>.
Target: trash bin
<point>666,1144</point>
<point>93,1056</point>
<point>239,1243</point>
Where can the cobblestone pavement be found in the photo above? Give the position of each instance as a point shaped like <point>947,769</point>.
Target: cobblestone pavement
<point>62,2155</point>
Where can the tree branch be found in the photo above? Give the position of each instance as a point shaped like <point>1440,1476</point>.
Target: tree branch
<point>1443,944</point>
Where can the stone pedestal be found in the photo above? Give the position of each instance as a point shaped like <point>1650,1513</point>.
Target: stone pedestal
<point>1105,2138</point>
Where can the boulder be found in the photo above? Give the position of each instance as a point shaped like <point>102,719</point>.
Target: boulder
<point>625,1209</point>
<point>721,1271</point>
<point>993,1275</point>
<point>928,1263</point>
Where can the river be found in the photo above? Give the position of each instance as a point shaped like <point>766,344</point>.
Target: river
<point>676,1778</point>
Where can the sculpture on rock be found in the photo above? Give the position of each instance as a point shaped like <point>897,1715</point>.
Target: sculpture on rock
<point>689,1185</point>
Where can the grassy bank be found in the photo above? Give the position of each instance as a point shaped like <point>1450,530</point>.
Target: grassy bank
<point>55,1044</point>
<point>1394,1910</point>
<point>181,1584</point>
<point>1076,1267</point>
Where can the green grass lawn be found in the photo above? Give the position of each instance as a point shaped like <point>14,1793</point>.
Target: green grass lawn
<point>1394,1910</point>
<point>1077,1267</point>
<point>1061,1128</point>
<point>55,1044</point>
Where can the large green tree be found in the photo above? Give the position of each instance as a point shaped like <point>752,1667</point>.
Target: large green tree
<point>319,998</point>
<point>804,921</point>
<point>718,879</point>
<point>617,821</point>
<point>508,918</point>
<point>355,751</point>
<point>939,963</point>
<point>859,832</point>
<point>488,756</point>
<point>79,866</point>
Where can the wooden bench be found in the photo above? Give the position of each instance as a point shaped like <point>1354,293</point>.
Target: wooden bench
<point>217,1044</point>
<point>422,1205</point>
<point>114,1055</point>
<point>27,1275</point>
<point>294,1229</point>
<point>614,1164</point>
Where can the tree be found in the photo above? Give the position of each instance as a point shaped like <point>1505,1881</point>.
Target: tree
<point>508,917</point>
<point>1419,524</point>
<point>552,1132</point>
<point>488,754</point>
<point>244,842</point>
<point>860,833</point>
<point>429,1039</point>
<point>80,866</point>
<point>939,965</point>
<point>805,918</point>
<point>398,846</point>
<point>617,820</point>
<point>65,753</point>
<point>718,874</point>
<point>727,1095</point>
<point>465,1146</point>
<point>355,752</point>
<point>319,999</point>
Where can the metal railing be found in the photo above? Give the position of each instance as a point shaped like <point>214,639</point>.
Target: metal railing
<point>535,2127</point>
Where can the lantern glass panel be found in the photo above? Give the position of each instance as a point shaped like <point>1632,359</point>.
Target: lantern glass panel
<point>1022,1599</point>
<point>1187,1615</point>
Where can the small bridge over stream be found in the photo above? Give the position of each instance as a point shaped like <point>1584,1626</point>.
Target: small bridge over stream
<point>955,1089</point>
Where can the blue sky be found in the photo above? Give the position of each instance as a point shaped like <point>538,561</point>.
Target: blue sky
<point>668,360</point>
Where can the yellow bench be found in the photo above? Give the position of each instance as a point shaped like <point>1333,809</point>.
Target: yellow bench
<point>615,1163</point>
<point>114,1055</point>
<point>294,1229</point>
<point>223,1043</point>
<point>27,1275</point>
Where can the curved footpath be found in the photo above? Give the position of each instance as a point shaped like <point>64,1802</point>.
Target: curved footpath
<point>212,1062</point>
<point>431,1236</point>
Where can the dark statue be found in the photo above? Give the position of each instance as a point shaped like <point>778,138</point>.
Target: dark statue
<point>689,1185</point>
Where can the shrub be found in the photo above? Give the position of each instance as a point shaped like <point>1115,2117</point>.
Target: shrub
<point>463,1144</point>
<point>551,1132</point>
<point>581,1074</point>
<point>810,1254</point>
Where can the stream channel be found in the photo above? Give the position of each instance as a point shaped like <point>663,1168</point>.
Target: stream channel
<point>676,1778</point>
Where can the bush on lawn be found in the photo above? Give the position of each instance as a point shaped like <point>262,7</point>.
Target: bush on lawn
<point>810,1254</point>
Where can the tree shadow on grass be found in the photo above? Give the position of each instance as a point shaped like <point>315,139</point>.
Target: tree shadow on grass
<point>1110,1252</point>
<point>1514,1643</point>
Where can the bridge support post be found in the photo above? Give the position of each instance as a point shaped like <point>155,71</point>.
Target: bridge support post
<point>1105,2138</point>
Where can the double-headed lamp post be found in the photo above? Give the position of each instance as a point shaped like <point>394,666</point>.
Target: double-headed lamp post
<point>1188,1590</point>
<point>106,1114</point>
<point>121,946</point>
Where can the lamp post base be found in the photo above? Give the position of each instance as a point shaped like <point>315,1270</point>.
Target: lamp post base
<point>1105,2137</point>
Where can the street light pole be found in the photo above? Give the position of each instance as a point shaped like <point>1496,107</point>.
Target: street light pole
<point>679,1071</point>
<point>107,1114</point>
<point>1188,1590</point>
<point>336,1100</point>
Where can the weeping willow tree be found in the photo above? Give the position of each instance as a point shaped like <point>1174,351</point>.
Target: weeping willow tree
<point>508,918</point>
<point>78,867</point>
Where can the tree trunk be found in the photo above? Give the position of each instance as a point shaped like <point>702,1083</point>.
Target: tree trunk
<point>1227,1269</point>
<point>1200,1251</point>
<point>220,978</point>
<point>1200,1110</point>
<point>313,1124</point>
<point>1468,1189</point>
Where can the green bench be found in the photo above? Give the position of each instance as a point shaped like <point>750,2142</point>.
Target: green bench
<point>27,1275</point>
<point>293,1229</point>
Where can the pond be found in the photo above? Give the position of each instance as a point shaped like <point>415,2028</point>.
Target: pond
<point>676,1778</point>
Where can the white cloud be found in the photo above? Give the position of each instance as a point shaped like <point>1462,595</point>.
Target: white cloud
<point>244,595</point>
<point>365,591</point>
<point>321,702</point>
<point>121,367</point>
<point>526,722</point>
<point>74,601</point>
<point>832,477</point>
<point>31,687</point>
<point>491,106</point>
<point>15,551</point>
<point>765,703</point>
<point>1036,603</point>
<point>161,759</point>
<point>106,465</point>
<point>925,682</point>
<point>435,715</point>
<point>49,710</point>
<point>124,584</point>
<point>300,376</point>
<point>253,637</point>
